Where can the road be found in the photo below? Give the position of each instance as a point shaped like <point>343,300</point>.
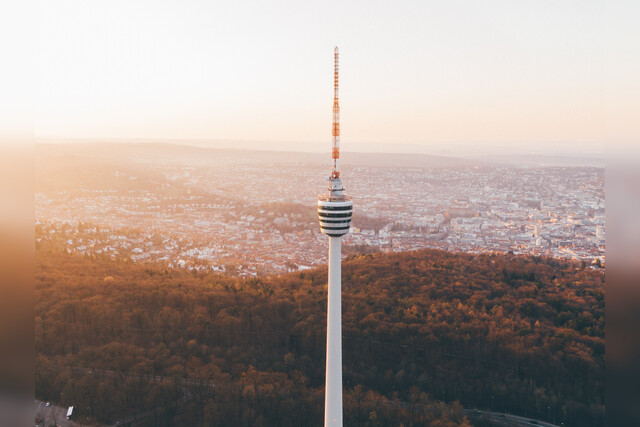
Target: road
<point>507,420</point>
<point>53,415</point>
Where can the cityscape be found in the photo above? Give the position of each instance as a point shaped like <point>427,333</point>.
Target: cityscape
<point>230,211</point>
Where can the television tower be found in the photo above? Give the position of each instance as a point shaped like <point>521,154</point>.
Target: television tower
<point>334,213</point>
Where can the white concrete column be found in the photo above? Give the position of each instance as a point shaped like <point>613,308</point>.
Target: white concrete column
<point>333,383</point>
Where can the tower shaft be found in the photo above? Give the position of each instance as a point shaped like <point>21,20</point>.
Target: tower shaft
<point>333,384</point>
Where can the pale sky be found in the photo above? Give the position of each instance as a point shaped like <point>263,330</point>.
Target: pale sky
<point>412,72</point>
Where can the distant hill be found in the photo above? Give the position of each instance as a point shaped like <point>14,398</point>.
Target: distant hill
<point>160,151</point>
<point>502,332</point>
<point>92,166</point>
<point>247,152</point>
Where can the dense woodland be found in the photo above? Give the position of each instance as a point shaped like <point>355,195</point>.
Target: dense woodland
<point>425,334</point>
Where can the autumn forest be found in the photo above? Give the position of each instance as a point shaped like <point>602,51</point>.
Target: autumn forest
<point>425,334</point>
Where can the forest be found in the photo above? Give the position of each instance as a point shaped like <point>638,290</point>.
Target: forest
<point>425,334</point>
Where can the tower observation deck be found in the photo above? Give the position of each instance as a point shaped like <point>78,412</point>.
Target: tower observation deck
<point>334,213</point>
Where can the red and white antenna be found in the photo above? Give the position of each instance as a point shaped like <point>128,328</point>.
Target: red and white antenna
<point>335,150</point>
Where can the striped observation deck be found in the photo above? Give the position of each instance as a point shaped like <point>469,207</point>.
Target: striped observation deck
<point>334,214</point>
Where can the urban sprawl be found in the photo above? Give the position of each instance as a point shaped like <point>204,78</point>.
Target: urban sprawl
<point>261,218</point>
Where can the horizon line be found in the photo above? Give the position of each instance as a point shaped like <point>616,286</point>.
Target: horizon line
<point>447,149</point>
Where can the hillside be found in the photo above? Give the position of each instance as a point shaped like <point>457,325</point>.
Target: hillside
<point>521,334</point>
<point>73,167</point>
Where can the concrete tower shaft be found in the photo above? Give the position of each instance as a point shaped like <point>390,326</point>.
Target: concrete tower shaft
<point>333,377</point>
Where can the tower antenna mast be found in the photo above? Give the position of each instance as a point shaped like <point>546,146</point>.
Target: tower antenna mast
<point>335,150</point>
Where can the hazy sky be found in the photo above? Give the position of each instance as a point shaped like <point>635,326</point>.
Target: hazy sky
<point>412,72</point>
